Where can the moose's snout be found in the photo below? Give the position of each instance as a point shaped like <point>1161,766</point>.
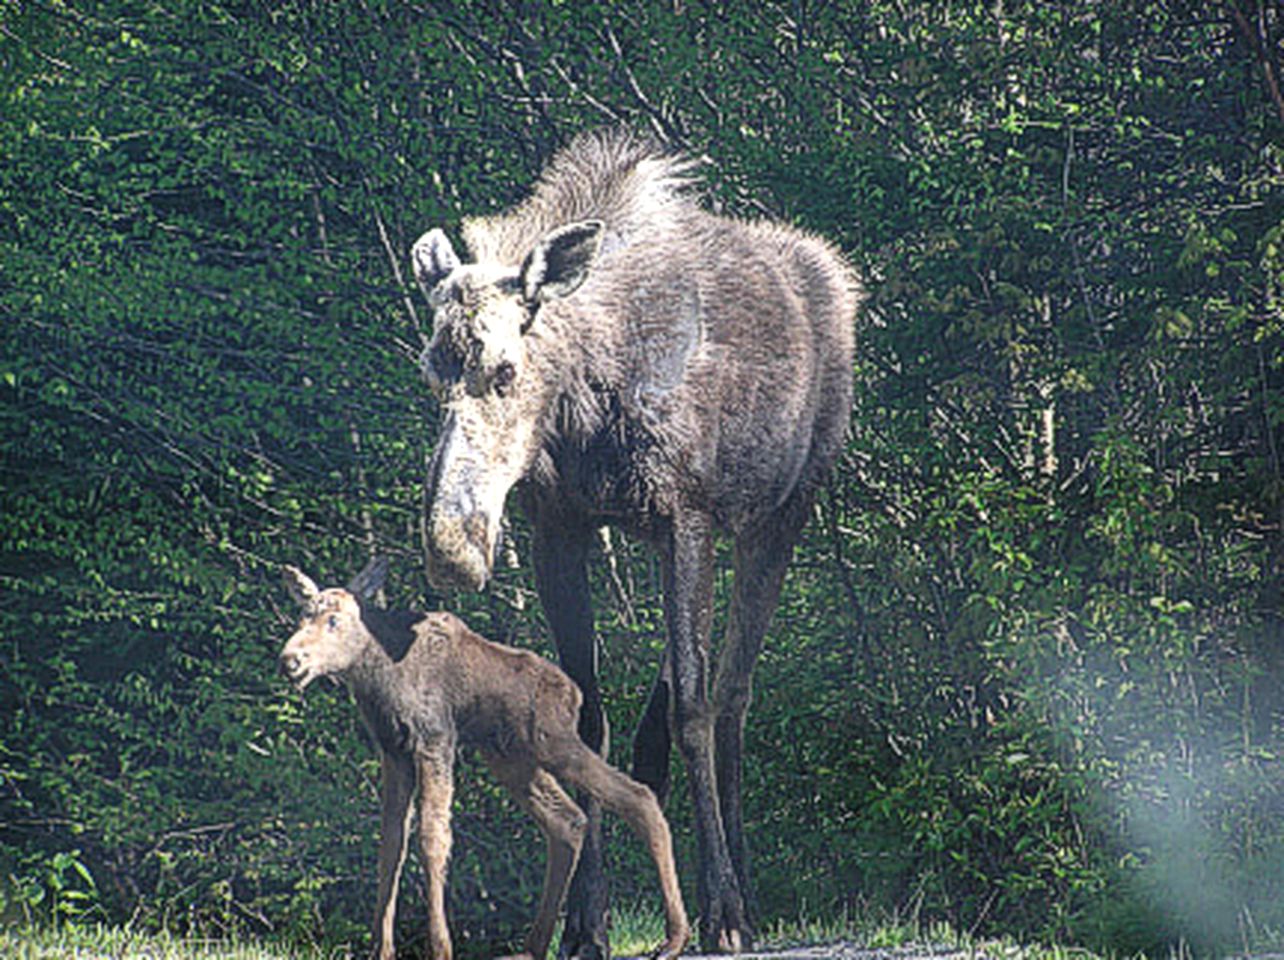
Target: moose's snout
<point>477,530</point>
<point>458,550</point>
<point>462,505</point>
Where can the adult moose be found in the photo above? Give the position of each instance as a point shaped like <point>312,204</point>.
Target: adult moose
<point>626,357</point>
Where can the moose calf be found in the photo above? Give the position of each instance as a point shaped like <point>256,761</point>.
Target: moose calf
<point>425,684</point>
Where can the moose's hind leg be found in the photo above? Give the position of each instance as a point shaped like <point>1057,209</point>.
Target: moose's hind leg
<point>761,560</point>
<point>688,602</point>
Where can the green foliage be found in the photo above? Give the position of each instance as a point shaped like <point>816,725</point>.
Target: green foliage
<point>57,891</point>
<point>1026,675</point>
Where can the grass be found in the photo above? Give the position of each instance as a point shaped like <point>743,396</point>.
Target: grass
<point>113,943</point>
<point>635,931</point>
<point>637,928</point>
<point>874,930</point>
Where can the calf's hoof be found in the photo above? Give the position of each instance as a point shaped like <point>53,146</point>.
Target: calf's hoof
<point>672,947</point>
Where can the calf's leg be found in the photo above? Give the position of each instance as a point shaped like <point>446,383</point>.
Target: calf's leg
<point>398,788</point>
<point>579,766</point>
<point>436,788</point>
<point>563,825</point>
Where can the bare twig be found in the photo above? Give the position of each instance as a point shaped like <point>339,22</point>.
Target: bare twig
<point>406,299</point>
<point>617,584</point>
<point>664,129</point>
<point>598,105</point>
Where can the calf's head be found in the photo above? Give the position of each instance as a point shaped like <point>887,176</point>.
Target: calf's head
<point>332,635</point>
<point>495,391</point>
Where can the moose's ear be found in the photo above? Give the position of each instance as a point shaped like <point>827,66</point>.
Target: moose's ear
<point>560,262</point>
<point>434,259</point>
<point>300,586</point>
<point>370,580</point>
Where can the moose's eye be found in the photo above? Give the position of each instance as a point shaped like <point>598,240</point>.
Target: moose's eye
<point>505,374</point>
<point>445,365</point>
<point>445,293</point>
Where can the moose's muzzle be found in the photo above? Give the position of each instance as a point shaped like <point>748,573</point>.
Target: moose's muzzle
<point>459,532</point>
<point>458,550</point>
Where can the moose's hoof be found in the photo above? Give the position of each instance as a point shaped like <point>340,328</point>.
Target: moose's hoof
<point>730,941</point>
<point>725,928</point>
<point>586,948</point>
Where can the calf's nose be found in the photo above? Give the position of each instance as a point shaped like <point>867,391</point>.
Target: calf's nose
<point>288,664</point>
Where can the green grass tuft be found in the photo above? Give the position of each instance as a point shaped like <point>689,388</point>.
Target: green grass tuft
<point>108,943</point>
<point>636,930</point>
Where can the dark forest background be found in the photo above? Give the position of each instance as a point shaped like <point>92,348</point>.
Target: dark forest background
<point>1028,673</point>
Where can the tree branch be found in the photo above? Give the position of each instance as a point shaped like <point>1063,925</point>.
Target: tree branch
<point>1257,41</point>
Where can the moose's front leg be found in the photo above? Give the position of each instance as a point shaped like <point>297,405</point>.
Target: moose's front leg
<point>398,788</point>
<point>688,608</point>
<point>561,557</point>
<point>436,787</point>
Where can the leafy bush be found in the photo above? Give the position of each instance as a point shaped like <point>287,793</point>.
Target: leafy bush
<point>1026,675</point>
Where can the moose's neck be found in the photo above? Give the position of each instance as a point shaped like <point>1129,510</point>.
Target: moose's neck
<point>601,454</point>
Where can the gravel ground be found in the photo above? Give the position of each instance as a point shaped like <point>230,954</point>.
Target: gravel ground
<point>848,950</point>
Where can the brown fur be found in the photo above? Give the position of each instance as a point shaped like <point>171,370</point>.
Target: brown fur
<point>621,355</point>
<point>426,684</point>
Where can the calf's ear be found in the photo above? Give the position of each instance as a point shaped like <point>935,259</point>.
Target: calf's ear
<point>370,580</point>
<point>300,586</point>
<point>434,259</point>
<point>560,262</point>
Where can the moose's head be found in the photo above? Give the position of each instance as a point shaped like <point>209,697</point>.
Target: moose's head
<point>494,391</point>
